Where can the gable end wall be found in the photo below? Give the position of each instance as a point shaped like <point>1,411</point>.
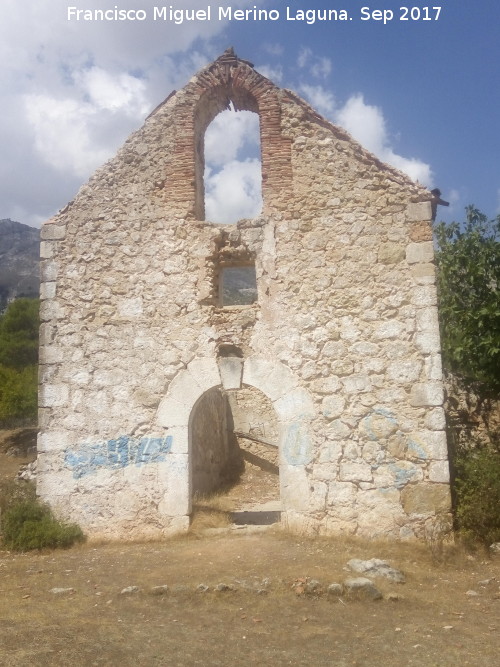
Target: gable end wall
<point>343,341</point>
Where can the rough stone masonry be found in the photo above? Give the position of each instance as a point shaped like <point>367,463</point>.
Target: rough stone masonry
<point>342,342</point>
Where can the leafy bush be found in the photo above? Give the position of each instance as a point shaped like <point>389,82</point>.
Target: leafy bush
<point>18,394</point>
<point>477,488</point>
<point>28,525</point>
<point>13,492</point>
<point>468,261</point>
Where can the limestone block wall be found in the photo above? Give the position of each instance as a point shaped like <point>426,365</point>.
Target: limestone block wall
<point>343,339</point>
<point>253,413</point>
<point>254,416</point>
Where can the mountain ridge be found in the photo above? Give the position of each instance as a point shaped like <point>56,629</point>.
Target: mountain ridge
<point>19,261</point>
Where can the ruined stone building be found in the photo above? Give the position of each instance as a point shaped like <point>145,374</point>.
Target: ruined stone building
<point>339,353</point>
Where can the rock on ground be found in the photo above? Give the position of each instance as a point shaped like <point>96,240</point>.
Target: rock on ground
<point>376,568</point>
<point>361,588</point>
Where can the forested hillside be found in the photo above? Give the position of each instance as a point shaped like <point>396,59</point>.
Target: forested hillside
<point>19,362</point>
<point>19,253</point>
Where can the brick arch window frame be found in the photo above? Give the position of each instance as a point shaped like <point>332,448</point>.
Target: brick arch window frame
<point>214,101</point>
<point>206,96</point>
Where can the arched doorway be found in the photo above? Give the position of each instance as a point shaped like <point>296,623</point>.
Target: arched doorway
<point>234,456</point>
<point>293,408</point>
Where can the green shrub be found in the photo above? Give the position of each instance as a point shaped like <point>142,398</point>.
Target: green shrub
<point>468,254</point>
<point>19,334</point>
<point>18,395</point>
<point>477,488</point>
<point>28,525</point>
<point>13,492</point>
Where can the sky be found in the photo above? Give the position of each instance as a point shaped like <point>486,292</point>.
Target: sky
<point>418,87</point>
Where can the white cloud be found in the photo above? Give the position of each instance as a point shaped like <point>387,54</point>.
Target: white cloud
<point>120,92</point>
<point>414,168</point>
<point>319,67</point>
<point>303,57</point>
<point>234,192</point>
<point>62,133</point>
<point>275,74</point>
<point>38,30</point>
<point>233,176</point>
<point>274,48</point>
<point>320,98</point>
<point>71,92</point>
<point>230,133</point>
<point>365,122</point>
<point>367,125</point>
<point>79,131</point>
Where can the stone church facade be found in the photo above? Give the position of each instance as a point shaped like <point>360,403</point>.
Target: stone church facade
<point>341,343</point>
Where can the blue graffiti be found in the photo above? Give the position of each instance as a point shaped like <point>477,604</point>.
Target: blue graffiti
<point>417,449</point>
<point>381,412</point>
<point>402,476</point>
<point>118,453</point>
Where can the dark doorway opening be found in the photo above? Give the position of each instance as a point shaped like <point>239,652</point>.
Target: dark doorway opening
<point>234,459</point>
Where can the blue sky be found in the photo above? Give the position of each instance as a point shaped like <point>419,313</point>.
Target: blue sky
<point>423,95</point>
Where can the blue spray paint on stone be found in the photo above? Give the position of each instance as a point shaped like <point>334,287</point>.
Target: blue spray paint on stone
<point>380,412</point>
<point>417,449</point>
<point>402,475</point>
<point>117,453</point>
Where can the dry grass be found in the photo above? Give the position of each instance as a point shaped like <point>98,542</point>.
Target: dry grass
<point>97,625</point>
<point>212,511</point>
<point>259,619</point>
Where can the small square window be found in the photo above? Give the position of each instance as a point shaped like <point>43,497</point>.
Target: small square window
<point>238,286</point>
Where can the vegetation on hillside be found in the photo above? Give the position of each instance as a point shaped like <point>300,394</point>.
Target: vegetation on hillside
<point>19,261</point>
<point>19,326</point>
<point>477,488</point>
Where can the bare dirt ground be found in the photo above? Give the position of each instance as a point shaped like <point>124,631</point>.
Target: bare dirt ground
<point>17,447</point>
<point>240,598</point>
<point>258,620</point>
